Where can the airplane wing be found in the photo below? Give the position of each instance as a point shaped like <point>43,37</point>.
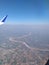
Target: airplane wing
<point>3,20</point>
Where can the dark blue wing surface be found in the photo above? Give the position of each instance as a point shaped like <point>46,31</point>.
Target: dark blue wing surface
<point>4,18</point>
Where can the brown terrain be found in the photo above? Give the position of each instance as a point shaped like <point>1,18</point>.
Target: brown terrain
<point>21,50</point>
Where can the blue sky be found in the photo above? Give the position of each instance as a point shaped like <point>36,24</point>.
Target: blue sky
<point>25,11</point>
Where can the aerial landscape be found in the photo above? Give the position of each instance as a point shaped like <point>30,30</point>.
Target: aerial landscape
<point>24,32</point>
<point>24,44</point>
